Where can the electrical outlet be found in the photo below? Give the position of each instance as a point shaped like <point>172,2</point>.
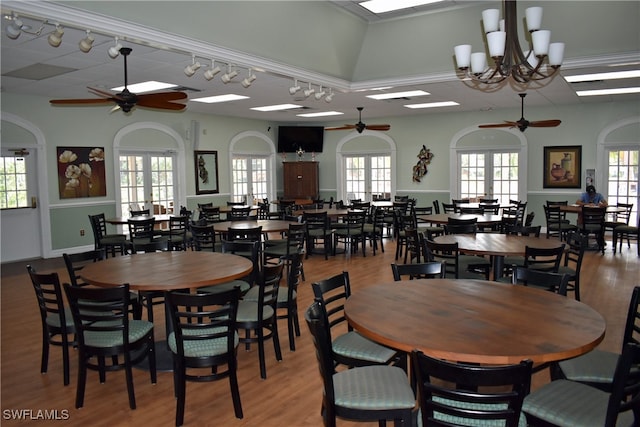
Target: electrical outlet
<point>82,232</point>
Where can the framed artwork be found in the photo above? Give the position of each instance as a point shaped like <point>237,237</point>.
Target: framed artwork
<point>563,167</point>
<point>206,167</point>
<point>81,172</point>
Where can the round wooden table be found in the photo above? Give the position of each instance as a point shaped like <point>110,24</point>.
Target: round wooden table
<point>496,245</point>
<point>120,220</point>
<point>268,225</point>
<point>333,213</point>
<point>482,219</point>
<point>166,271</point>
<point>475,321</point>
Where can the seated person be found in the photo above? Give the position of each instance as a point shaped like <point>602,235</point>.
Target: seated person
<point>591,197</point>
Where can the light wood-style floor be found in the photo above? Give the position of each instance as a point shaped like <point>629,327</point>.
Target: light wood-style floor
<point>291,394</point>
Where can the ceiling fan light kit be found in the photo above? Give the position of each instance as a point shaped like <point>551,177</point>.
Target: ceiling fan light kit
<point>504,48</point>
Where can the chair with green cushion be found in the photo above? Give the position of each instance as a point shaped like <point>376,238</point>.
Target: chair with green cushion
<point>287,299</point>
<point>597,367</point>
<point>374,229</point>
<point>76,262</point>
<point>457,266</point>
<point>104,330</point>
<point>204,336</point>
<point>365,393</point>
<point>204,238</point>
<point>517,230</point>
<point>483,396</point>
<point>318,232</point>
<point>258,318</point>
<point>629,232</point>
<point>283,249</point>
<point>544,259</point>
<point>616,219</point>
<point>177,233</point>
<point>557,226</point>
<point>56,319</point>
<point>549,281</point>
<point>424,226</point>
<point>350,348</point>
<point>572,261</point>
<point>567,403</point>
<point>593,224</point>
<point>102,239</point>
<point>247,249</point>
<point>351,233</point>
<point>424,270</point>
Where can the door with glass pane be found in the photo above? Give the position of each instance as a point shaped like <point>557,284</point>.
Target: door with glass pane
<point>367,175</point>
<point>622,178</point>
<point>250,178</point>
<point>488,174</point>
<point>147,182</point>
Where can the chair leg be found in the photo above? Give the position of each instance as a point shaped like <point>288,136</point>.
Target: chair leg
<point>44,361</point>
<point>181,391</point>
<point>65,359</point>
<point>235,390</point>
<point>82,379</point>
<point>129,377</point>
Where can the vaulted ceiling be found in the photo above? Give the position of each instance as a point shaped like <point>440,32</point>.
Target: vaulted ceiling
<point>333,44</point>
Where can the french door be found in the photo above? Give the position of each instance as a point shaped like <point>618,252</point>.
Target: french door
<point>147,182</point>
<point>489,174</point>
<point>366,175</point>
<point>622,178</point>
<point>250,178</point>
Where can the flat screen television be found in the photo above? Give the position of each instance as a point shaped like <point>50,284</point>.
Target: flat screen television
<point>309,138</point>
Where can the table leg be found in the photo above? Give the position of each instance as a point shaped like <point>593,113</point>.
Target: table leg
<point>498,267</point>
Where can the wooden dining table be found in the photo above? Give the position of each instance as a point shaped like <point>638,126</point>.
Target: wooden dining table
<point>497,246</point>
<point>333,213</point>
<point>166,271</point>
<point>475,321</point>
<point>268,225</point>
<point>121,220</point>
<point>443,218</point>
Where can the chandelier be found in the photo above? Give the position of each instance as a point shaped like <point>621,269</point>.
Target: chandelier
<point>504,48</point>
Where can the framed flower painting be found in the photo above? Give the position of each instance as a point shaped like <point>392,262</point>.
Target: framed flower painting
<point>81,172</point>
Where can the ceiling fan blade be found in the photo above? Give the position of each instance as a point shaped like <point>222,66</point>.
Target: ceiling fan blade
<point>103,93</point>
<point>163,96</point>
<point>345,127</point>
<point>378,127</point>
<point>81,101</point>
<point>160,104</point>
<point>500,125</point>
<point>544,123</point>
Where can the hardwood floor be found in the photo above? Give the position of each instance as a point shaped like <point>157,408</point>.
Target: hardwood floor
<point>292,393</point>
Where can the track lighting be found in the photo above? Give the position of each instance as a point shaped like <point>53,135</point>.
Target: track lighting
<point>191,69</point>
<point>226,78</point>
<point>86,43</point>
<point>212,71</point>
<point>295,88</point>
<point>14,29</point>
<point>249,79</point>
<point>308,92</point>
<point>320,94</point>
<point>114,50</point>
<point>55,38</point>
<point>329,97</point>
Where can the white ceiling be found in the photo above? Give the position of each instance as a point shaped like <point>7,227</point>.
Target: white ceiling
<point>148,62</point>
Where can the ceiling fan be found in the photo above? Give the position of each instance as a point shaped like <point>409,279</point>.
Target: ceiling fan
<point>127,100</point>
<point>523,123</point>
<point>360,126</point>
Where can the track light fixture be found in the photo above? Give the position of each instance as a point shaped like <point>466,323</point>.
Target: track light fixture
<point>295,88</point>
<point>86,43</point>
<point>191,69</point>
<point>308,92</point>
<point>329,97</point>
<point>14,29</point>
<point>246,82</point>
<point>211,71</point>
<point>55,38</point>
<point>226,77</point>
<point>320,94</point>
<point>114,50</point>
